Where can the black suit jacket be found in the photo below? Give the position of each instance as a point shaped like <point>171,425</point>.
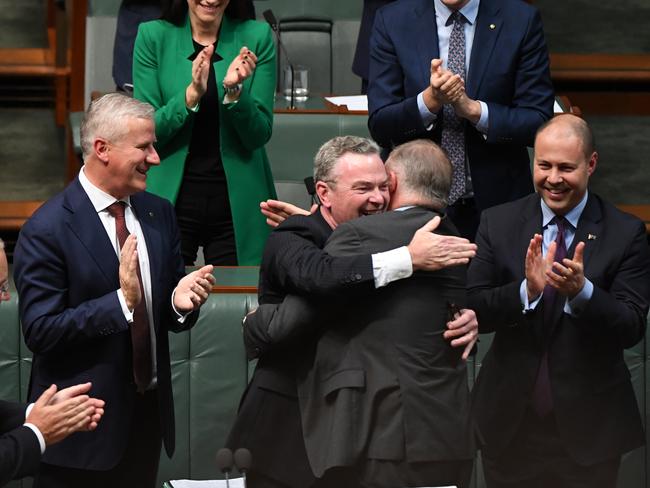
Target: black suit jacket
<point>268,422</point>
<point>66,273</point>
<point>596,411</point>
<point>20,452</point>
<point>381,382</point>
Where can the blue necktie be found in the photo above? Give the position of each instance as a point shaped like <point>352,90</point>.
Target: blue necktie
<point>542,394</point>
<point>453,128</point>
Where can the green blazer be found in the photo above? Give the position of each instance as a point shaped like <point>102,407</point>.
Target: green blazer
<point>161,73</point>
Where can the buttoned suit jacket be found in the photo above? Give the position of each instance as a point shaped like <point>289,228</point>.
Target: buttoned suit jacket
<point>594,404</point>
<point>293,262</point>
<point>66,273</point>
<point>508,70</point>
<point>20,452</point>
<point>381,382</point>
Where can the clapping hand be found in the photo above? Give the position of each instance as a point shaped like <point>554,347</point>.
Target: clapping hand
<point>193,290</point>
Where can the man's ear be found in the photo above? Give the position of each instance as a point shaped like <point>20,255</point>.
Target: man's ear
<point>392,182</point>
<point>323,192</point>
<point>101,149</point>
<point>593,161</point>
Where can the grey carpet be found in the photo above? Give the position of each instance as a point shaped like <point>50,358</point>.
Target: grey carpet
<point>22,24</point>
<point>32,163</point>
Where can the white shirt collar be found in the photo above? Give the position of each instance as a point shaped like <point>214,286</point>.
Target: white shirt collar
<point>98,197</point>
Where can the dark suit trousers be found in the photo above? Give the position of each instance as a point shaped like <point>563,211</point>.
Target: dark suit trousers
<point>536,458</point>
<point>138,467</point>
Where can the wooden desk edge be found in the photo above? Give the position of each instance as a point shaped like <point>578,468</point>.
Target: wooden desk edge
<point>234,289</point>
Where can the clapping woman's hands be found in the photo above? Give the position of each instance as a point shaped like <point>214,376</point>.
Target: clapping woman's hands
<point>240,68</point>
<point>200,72</point>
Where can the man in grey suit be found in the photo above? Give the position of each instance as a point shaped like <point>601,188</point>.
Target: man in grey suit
<point>383,397</point>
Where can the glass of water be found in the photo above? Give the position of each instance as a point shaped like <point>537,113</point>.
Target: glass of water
<point>300,86</point>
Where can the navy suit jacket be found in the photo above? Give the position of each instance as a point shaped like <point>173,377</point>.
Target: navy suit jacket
<point>362,52</point>
<point>66,273</point>
<point>595,409</point>
<point>508,70</point>
<point>20,452</point>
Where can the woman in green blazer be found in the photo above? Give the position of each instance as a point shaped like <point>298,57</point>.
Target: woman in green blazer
<point>209,71</point>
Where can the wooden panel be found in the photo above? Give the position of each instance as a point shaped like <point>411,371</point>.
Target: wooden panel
<point>611,102</point>
<point>613,68</point>
<point>13,214</point>
<point>641,211</point>
<point>78,10</point>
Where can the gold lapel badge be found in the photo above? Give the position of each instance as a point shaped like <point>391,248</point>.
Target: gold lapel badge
<point>591,237</point>
<point>492,26</point>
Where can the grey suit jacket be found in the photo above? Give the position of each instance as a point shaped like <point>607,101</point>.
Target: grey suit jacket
<point>380,381</point>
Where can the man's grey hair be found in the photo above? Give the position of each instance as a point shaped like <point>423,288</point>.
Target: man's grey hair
<point>106,117</point>
<point>330,152</point>
<point>423,169</point>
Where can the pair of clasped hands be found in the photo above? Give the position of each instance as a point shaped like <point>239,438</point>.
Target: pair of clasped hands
<point>446,88</point>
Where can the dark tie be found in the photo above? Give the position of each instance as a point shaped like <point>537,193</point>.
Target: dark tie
<point>453,128</point>
<point>542,393</point>
<point>140,338</point>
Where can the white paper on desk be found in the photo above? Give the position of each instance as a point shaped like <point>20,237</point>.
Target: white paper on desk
<point>355,102</point>
<point>234,483</point>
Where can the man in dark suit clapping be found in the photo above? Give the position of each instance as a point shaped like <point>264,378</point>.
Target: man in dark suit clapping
<point>563,279</point>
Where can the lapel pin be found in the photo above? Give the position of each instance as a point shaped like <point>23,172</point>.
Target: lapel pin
<point>591,237</point>
<point>492,26</point>
<point>151,215</point>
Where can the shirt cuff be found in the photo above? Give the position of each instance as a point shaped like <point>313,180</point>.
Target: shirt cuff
<point>391,266</point>
<point>577,304</point>
<point>180,317</point>
<point>523,295</point>
<point>34,429</point>
<point>428,118</point>
<point>128,314</point>
<point>483,122</point>
<point>195,108</point>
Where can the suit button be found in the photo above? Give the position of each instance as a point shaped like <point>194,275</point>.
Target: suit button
<point>358,277</point>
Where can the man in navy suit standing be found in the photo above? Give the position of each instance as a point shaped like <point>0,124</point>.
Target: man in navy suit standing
<point>101,282</point>
<point>563,279</point>
<point>472,75</point>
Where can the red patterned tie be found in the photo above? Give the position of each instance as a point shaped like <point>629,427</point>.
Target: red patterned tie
<point>140,338</point>
<point>542,393</point>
